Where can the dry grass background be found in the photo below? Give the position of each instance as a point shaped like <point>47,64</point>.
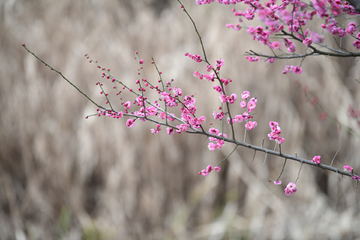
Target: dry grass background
<point>64,177</point>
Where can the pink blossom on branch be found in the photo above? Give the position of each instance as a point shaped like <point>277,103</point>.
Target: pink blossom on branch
<point>250,125</point>
<point>290,189</point>
<point>242,104</point>
<point>356,178</point>
<point>208,169</point>
<point>316,159</point>
<point>348,168</point>
<point>130,123</point>
<point>275,45</point>
<point>275,132</point>
<point>277,182</point>
<point>196,58</point>
<point>245,95</point>
<point>253,59</point>
<point>251,104</point>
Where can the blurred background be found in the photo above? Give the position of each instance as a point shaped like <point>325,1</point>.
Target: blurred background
<point>65,177</point>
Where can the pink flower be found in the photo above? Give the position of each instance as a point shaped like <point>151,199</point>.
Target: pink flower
<point>127,104</point>
<point>245,95</point>
<point>212,146</point>
<point>280,140</point>
<point>214,131</point>
<point>237,27</point>
<point>130,123</point>
<point>250,125</point>
<point>120,114</point>
<point>218,89</point>
<point>287,69</point>
<point>288,192</point>
<point>275,126</point>
<point>307,41</point>
<point>297,69</point>
<point>170,131</point>
<point>219,63</point>
<point>275,132</point>
<point>182,128</point>
<point>223,98</point>
<point>218,115</point>
<point>203,172</point>
<point>253,59</point>
<point>189,101</point>
<point>238,118</point>
<point>208,169</point>
<point>177,91</point>
<point>275,45</point>
<point>232,98</point>
<point>251,105</point>
<point>356,44</point>
<point>195,57</point>
<point>277,182</point>
<point>316,159</point>
<point>290,189</point>
<point>243,104</point>
<point>351,29</point>
<point>348,168</point>
<point>209,77</point>
<point>216,143</point>
<point>355,177</point>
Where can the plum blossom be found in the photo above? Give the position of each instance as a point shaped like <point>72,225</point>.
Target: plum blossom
<point>242,104</point>
<point>356,178</point>
<point>182,128</point>
<point>250,125</point>
<point>215,142</point>
<point>290,189</point>
<point>348,168</point>
<point>275,132</point>
<point>245,95</point>
<point>252,104</point>
<point>277,182</point>
<point>316,159</point>
<point>208,169</point>
<point>127,104</point>
<point>170,131</point>
<point>130,123</point>
<point>307,41</point>
<point>275,45</point>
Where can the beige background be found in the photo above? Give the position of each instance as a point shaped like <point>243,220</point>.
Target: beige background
<point>64,177</point>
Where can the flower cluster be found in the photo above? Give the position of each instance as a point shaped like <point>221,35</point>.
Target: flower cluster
<point>275,132</point>
<point>196,58</point>
<point>277,19</point>
<point>349,169</point>
<point>292,68</point>
<point>290,19</point>
<point>208,169</point>
<point>216,143</point>
<point>290,189</point>
<point>250,104</point>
